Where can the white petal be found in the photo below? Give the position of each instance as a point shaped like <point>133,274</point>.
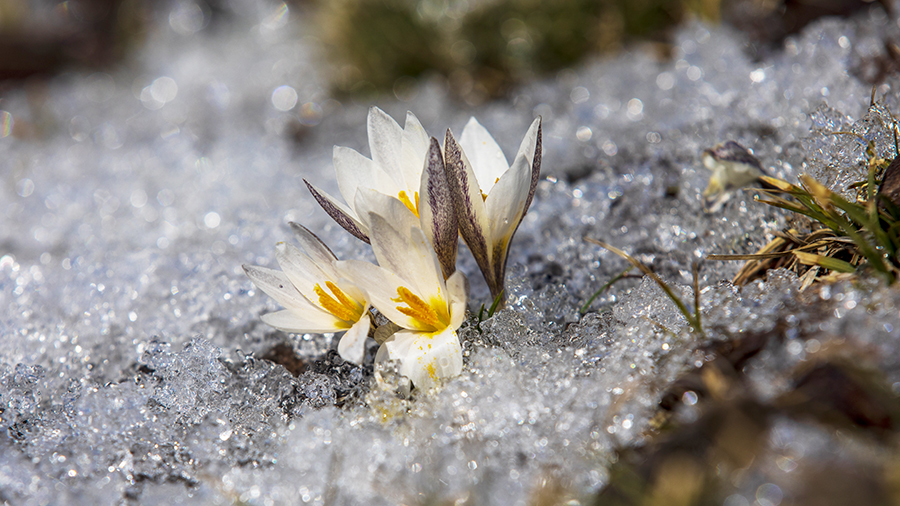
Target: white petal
<point>307,323</point>
<point>380,286</point>
<point>385,137</point>
<point>395,212</point>
<point>352,346</point>
<point>354,170</point>
<point>505,205</point>
<point>276,285</point>
<point>396,347</point>
<point>302,272</point>
<point>314,247</point>
<point>485,155</point>
<point>323,260</point>
<point>382,355</point>
<point>413,147</point>
<point>458,291</point>
<point>301,315</point>
<point>529,142</point>
<point>410,255</point>
<point>425,358</point>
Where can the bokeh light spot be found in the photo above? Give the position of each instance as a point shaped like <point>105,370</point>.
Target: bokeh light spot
<point>6,124</point>
<point>284,98</point>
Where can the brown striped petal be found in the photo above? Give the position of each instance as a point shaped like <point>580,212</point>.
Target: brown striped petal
<point>436,212</point>
<point>339,215</point>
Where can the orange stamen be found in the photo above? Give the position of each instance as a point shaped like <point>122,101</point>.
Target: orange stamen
<point>417,309</point>
<point>408,203</point>
<point>339,304</point>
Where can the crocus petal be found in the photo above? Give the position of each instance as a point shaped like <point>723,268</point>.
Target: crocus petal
<point>530,141</point>
<point>354,170</point>
<point>468,202</point>
<point>505,205</point>
<point>391,209</point>
<point>277,285</point>
<point>308,323</point>
<point>352,346</point>
<point>413,146</point>
<point>396,346</point>
<point>410,255</point>
<point>324,259</point>
<point>488,160</point>
<point>380,286</point>
<point>339,213</point>
<point>315,248</point>
<point>436,211</point>
<point>385,138</point>
<point>425,358</point>
<point>532,149</point>
<point>458,292</point>
<point>302,272</point>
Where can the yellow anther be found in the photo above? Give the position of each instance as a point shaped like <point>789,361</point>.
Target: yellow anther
<point>484,195</point>
<point>408,203</point>
<point>339,304</point>
<point>417,309</point>
<point>343,299</point>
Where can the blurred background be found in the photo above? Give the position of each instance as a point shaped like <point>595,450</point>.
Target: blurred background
<point>479,49</point>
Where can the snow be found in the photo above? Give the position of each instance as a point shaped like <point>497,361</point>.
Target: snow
<point>132,362</point>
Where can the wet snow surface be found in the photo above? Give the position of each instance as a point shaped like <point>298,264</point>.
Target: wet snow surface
<point>134,367</point>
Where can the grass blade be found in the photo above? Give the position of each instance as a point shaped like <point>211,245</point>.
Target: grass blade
<point>829,263</point>
<point>866,220</point>
<point>692,320</point>
<point>815,214</point>
<point>583,309</point>
<point>495,304</point>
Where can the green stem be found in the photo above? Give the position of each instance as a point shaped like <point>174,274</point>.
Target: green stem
<point>583,309</point>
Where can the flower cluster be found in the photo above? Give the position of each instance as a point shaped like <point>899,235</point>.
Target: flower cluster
<point>411,201</point>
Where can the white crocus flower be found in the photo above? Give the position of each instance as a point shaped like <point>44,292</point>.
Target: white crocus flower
<point>733,167</point>
<point>409,289</point>
<point>395,169</point>
<point>406,168</point>
<point>316,297</point>
<point>490,196</point>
